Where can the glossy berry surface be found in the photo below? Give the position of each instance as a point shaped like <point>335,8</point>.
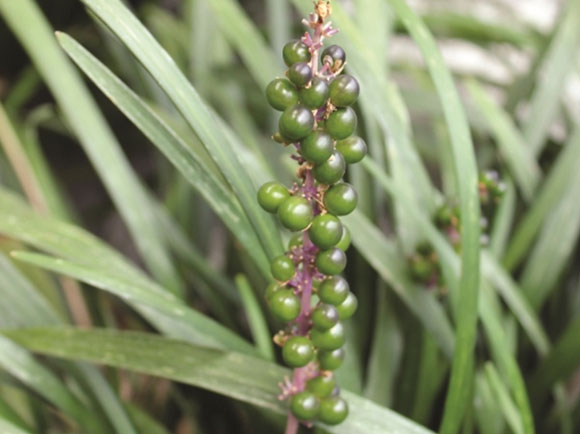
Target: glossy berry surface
<point>281,94</point>
<point>344,242</point>
<point>316,95</point>
<point>331,261</point>
<point>295,213</point>
<point>331,339</point>
<point>325,316</point>
<point>353,149</point>
<point>296,122</point>
<point>317,147</point>
<point>300,74</point>
<point>295,240</point>
<point>285,305</point>
<point>282,268</point>
<point>295,51</point>
<point>334,290</point>
<point>304,405</point>
<point>334,56</point>
<point>341,123</point>
<point>322,386</point>
<point>344,90</point>
<point>331,171</point>
<point>333,410</point>
<point>325,231</point>
<point>271,195</point>
<point>298,351</point>
<point>347,308</point>
<point>341,199</point>
<point>330,360</point>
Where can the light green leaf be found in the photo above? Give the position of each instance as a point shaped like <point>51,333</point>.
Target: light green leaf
<point>231,374</point>
<point>508,408</point>
<point>7,427</point>
<point>33,31</point>
<point>200,118</point>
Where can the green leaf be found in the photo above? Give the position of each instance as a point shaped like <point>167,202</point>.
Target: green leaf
<point>103,149</point>
<point>185,158</point>
<point>200,118</point>
<point>508,408</point>
<point>511,143</point>
<point>231,374</point>
<point>557,64</point>
<point>255,316</point>
<point>7,427</point>
<point>467,176</point>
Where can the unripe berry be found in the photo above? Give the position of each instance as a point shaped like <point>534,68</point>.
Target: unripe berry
<point>347,308</point>
<point>340,199</point>
<point>344,242</point>
<point>341,123</point>
<point>332,170</point>
<point>271,195</point>
<point>334,56</point>
<point>300,74</point>
<point>334,290</point>
<point>317,147</point>
<point>330,360</point>
<point>333,410</point>
<point>295,51</point>
<point>296,122</point>
<point>298,351</point>
<point>322,386</point>
<point>295,240</point>
<point>304,405</point>
<point>353,149</point>
<point>325,231</point>
<point>344,90</point>
<point>295,213</point>
<point>324,316</point>
<point>316,95</point>
<point>281,94</point>
<point>285,305</point>
<point>331,261</point>
<point>271,290</point>
<point>282,268</point>
<point>331,339</point>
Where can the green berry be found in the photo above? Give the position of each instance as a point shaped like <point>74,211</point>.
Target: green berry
<point>272,288</point>
<point>341,123</point>
<point>344,90</point>
<point>296,122</point>
<point>422,269</point>
<point>330,360</point>
<point>340,199</point>
<point>295,51</point>
<point>271,195</point>
<point>282,268</point>
<point>317,147</point>
<point>344,242</point>
<point>304,405</point>
<point>331,171</point>
<point>331,261</point>
<point>316,95</point>
<point>347,308</point>
<point>353,149</point>
<point>334,290</point>
<point>324,316</point>
<point>300,74</point>
<point>298,351</point>
<point>285,305</point>
<point>325,231</point>
<point>333,410</point>
<point>331,339</point>
<point>334,56</point>
<point>281,94</point>
<point>322,386</point>
<point>296,240</point>
<point>295,213</point>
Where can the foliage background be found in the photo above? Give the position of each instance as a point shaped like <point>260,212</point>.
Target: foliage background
<point>173,201</point>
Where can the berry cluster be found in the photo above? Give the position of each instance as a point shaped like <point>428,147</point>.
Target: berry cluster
<point>308,293</point>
